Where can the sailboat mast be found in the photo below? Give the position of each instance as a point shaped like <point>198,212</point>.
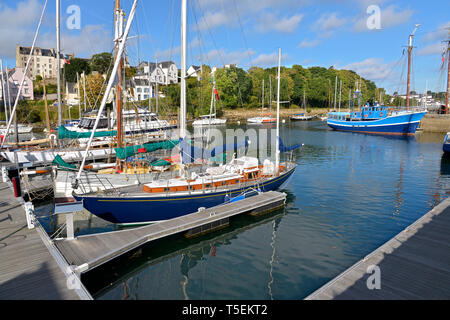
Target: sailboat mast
<point>304,98</point>
<point>119,32</point>
<point>3,92</point>
<point>270,97</point>
<point>335,92</point>
<point>13,113</point>
<point>8,91</point>
<point>329,95</point>
<point>277,151</point>
<point>262,97</point>
<point>340,96</point>
<point>47,116</point>
<point>84,91</point>
<point>149,89</point>
<point>448,74</point>
<point>58,57</point>
<point>410,49</point>
<point>157,89</point>
<point>183,70</point>
<point>122,43</point>
<point>79,96</point>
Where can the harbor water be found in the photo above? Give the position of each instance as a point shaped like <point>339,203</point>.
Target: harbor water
<point>350,194</point>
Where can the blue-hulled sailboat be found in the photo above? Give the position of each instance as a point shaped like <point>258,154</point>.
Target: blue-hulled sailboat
<point>378,119</point>
<point>171,198</point>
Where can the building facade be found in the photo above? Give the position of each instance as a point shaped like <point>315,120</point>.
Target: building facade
<point>13,78</point>
<point>44,62</point>
<point>163,73</point>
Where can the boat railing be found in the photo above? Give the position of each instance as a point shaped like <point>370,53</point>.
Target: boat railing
<point>106,185</point>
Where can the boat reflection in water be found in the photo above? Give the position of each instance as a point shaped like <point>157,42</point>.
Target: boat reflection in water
<point>120,278</point>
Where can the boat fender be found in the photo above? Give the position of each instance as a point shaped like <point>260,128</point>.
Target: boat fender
<point>52,138</point>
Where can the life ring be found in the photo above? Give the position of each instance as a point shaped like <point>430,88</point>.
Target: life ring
<point>365,116</point>
<point>381,114</point>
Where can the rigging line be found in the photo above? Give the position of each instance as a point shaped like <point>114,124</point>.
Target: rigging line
<point>23,78</point>
<point>272,260</point>
<point>146,19</point>
<point>220,53</point>
<point>243,33</point>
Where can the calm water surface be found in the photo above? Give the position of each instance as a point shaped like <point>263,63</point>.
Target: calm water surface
<point>350,194</point>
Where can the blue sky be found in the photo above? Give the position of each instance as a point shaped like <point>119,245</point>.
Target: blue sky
<point>248,32</point>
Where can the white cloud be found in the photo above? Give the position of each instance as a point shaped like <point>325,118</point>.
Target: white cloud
<point>432,49</point>
<point>389,17</point>
<point>213,20</point>
<point>18,26</point>
<point>221,57</point>
<point>268,60</point>
<point>327,24</point>
<point>373,69</point>
<point>271,22</point>
<point>308,44</point>
<point>216,13</point>
<point>441,33</point>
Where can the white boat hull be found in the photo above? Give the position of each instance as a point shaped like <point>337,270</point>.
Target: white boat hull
<point>48,156</point>
<point>261,120</point>
<point>207,122</point>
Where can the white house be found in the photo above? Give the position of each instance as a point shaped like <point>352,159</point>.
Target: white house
<point>194,71</point>
<point>163,73</point>
<point>13,78</point>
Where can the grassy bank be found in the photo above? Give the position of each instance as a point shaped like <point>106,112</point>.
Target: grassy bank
<point>234,115</point>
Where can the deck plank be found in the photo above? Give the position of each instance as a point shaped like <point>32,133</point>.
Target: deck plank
<point>414,265</point>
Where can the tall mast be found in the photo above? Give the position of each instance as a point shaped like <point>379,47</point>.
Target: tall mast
<point>340,96</point>
<point>13,113</point>
<point>157,89</point>
<point>119,33</point>
<point>270,98</point>
<point>410,49</point>
<point>79,96</point>
<point>183,70</point>
<point>149,89</point>
<point>58,57</point>
<point>335,93</point>
<point>304,98</point>
<point>262,97</point>
<point>122,43</point>
<point>448,74</point>
<point>4,92</point>
<point>329,95</point>
<point>47,116</point>
<point>277,150</point>
<point>84,91</point>
<point>8,91</point>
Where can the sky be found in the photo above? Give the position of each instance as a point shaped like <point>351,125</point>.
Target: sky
<point>366,36</point>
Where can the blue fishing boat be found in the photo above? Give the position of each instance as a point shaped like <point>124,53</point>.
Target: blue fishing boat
<point>446,146</point>
<point>377,120</point>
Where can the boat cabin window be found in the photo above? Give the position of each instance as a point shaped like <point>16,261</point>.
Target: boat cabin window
<point>103,124</point>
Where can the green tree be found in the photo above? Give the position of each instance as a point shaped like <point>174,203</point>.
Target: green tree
<point>76,66</point>
<point>101,62</point>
